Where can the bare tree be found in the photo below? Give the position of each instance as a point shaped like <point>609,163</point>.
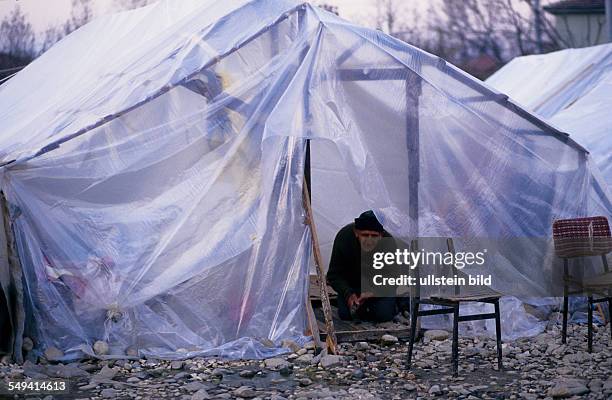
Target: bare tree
<point>17,44</point>
<point>80,14</point>
<point>392,16</point>
<point>330,8</point>
<point>16,35</point>
<point>130,4</point>
<point>499,30</point>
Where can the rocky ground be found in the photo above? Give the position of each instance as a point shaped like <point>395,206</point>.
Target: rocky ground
<point>539,367</point>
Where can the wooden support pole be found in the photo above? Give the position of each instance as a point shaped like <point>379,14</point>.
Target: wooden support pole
<point>330,338</point>
<point>313,327</point>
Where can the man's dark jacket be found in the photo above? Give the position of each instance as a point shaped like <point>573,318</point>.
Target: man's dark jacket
<point>344,273</point>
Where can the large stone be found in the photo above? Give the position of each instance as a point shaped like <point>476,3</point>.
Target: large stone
<point>53,354</point>
<point>105,374</point>
<point>66,371</point>
<point>362,346</point>
<point>568,388</point>
<point>182,375</point>
<point>304,359</point>
<point>100,348</point>
<point>109,393</point>
<point>275,362</point>
<point>193,386</point>
<point>436,334</point>
<point>35,371</point>
<point>176,364</point>
<point>596,385</point>
<point>388,339</point>
<point>329,361</point>
<point>89,386</point>
<point>88,367</point>
<point>435,390</point>
<point>291,345</point>
<point>245,392</point>
<point>305,382</point>
<point>247,373</point>
<point>201,394</point>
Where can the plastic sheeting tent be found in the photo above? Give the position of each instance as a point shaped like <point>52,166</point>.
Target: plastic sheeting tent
<point>154,163</point>
<point>570,88</point>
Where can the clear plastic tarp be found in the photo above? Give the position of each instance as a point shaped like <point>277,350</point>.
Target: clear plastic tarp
<point>154,163</point>
<point>570,88</point>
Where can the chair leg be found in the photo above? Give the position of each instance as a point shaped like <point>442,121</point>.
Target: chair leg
<point>455,349</point>
<point>565,311</point>
<point>498,336</point>
<point>590,325</point>
<point>414,314</point>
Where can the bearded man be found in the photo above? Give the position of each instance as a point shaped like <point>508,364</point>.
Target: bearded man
<point>349,270</point>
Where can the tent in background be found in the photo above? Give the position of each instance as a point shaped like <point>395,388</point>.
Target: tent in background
<point>153,164</point>
<point>570,88</point>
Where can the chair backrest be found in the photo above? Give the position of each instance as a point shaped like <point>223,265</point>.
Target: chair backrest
<point>581,237</point>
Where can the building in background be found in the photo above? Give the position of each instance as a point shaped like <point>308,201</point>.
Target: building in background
<point>580,23</point>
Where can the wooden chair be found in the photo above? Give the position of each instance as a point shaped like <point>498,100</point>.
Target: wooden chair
<point>577,238</point>
<point>451,304</point>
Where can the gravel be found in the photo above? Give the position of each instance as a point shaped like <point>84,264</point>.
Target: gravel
<point>535,368</point>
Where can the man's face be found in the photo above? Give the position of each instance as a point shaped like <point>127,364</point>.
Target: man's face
<point>368,239</point>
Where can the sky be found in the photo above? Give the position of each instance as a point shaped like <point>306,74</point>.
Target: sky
<point>45,13</point>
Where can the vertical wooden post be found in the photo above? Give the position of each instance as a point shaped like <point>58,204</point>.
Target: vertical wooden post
<point>15,288</point>
<point>330,338</point>
<point>413,92</point>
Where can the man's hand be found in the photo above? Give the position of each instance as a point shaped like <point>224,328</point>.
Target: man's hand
<point>353,300</point>
<point>364,297</point>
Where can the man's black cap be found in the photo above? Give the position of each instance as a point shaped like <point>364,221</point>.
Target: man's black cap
<point>367,221</point>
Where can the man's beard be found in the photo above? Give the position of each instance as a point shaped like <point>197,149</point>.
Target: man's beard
<point>368,245</point>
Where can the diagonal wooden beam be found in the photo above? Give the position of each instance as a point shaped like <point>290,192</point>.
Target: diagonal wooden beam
<point>330,338</point>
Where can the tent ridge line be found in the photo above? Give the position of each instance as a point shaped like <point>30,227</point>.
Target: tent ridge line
<point>500,98</point>
<point>504,100</point>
